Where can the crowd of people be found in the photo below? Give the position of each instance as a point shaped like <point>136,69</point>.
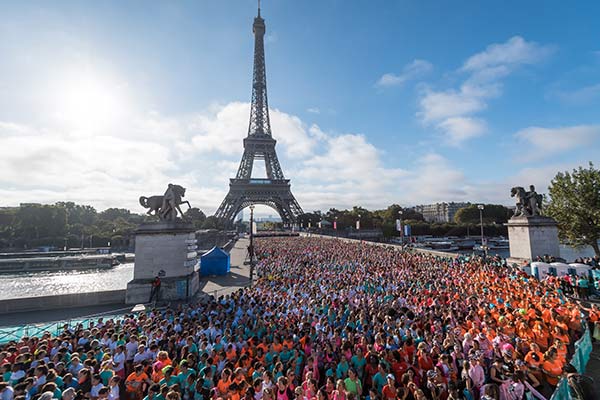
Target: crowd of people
<point>325,320</point>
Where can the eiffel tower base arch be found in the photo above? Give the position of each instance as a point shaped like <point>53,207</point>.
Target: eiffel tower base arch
<point>272,193</point>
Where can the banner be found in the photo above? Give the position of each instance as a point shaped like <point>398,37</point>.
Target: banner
<point>358,225</point>
<point>407,230</point>
<point>320,225</point>
<point>335,225</point>
<point>254,227</point>
<point>399,225</point>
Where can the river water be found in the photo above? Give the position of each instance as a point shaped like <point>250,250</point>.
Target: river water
<point>569,253</point>
<point>13,286</point>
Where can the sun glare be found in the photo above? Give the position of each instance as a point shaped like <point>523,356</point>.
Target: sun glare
<point>88,101</point>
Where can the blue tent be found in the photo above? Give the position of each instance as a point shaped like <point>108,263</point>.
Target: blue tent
<point>214,262</point>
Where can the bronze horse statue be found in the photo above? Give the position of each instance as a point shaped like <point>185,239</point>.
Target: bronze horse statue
<point>166,206</point>
<point>528,203</point>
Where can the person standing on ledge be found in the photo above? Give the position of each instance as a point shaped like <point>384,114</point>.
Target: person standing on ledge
<point>155,289</point>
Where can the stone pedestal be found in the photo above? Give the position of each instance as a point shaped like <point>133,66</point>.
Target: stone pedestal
<point>530,237</point>
<point>166,249</point>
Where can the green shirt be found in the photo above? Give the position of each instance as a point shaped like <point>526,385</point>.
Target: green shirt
<point>173,380</point>
<point>106,375</point>
<point>352,386</point>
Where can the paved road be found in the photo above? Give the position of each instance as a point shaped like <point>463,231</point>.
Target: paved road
<point>237,278</point>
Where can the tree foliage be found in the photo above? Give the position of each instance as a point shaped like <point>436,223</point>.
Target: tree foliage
<point>72,225</point>
<point>575,204</point>
<point>492,213</point>
<point>196,216</point>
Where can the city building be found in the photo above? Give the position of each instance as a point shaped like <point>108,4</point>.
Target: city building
<point>440,212</point>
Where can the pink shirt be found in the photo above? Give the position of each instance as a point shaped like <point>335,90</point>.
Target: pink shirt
<point>477,375</point>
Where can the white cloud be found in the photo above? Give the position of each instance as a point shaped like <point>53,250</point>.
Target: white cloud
<point>548,141</point>
<point>341,170</point>
<point>413,70</point>
<point>435,179</point>
<point>451,110</point>
<point>314,110</point>
<point>223,128</point>
<point>460,129</point>
<point>515,51</point>
<point>582,95</point>
<point>437,106</point>
<point>291,132</point>
<point>349,158</point>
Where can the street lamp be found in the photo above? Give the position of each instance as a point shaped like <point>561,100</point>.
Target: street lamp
<point>401,230</point>
<point>481,207</point>
<point>251,247</point>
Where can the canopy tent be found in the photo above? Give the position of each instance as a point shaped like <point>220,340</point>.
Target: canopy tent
<point>214,262</point>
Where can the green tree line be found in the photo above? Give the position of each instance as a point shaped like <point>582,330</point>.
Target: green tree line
<point>73,225</point>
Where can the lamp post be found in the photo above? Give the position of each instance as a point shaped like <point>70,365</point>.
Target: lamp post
<point>401,230</point>
<point>481,207</point>
<point>251,247</point>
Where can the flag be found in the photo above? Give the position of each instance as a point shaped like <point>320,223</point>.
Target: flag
<point>335,225</point>
<point>358,225</point>
<point>398,225</point>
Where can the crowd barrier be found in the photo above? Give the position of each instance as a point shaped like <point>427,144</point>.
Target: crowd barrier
<point>583,349</point>
<point>55,327</point>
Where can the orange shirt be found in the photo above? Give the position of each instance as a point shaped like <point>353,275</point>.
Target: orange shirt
<point>553,368</point>
<point>223,386</point>
<point>529,360</point>
<point>231,354</point>
<point>133,383</point>
<point>541,338</point>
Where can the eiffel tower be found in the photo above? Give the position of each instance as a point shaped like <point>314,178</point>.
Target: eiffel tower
<point>274,191</point>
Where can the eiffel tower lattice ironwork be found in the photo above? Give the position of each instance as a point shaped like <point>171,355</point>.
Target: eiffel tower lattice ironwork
<point>274,191</point>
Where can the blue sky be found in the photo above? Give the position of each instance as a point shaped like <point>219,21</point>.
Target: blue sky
<point>372,102</point>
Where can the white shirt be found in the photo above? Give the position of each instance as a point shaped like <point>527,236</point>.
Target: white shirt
<point>114,393</point>
<point>131,348</point>
<point>96,389</point>
<point>138,358</point>
<point>119,359</point>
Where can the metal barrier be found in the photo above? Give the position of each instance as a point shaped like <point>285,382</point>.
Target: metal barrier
<point>583,349</point>
<point>8,334</point>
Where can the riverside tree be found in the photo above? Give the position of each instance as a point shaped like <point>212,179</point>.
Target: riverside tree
<point>575,205</point>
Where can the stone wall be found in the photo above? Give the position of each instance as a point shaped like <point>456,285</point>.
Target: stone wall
<point>72,300</point>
